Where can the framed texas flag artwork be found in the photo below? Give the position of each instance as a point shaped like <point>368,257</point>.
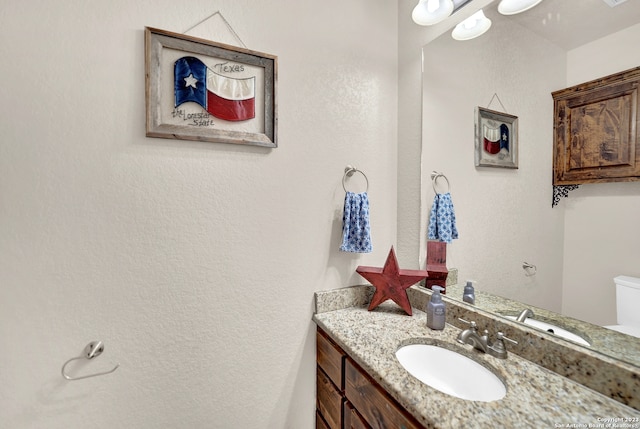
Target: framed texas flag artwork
<point>496,136</point>
<point>207,91</point>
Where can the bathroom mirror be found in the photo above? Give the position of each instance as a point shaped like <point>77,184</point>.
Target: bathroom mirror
<point>505,216</point>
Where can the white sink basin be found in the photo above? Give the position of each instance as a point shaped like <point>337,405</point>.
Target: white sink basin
<point>554,329</point>
<point>451,372</point>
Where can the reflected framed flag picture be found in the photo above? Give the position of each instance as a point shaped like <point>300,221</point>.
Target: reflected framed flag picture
<point>201,90</point>
<point>496,138</point>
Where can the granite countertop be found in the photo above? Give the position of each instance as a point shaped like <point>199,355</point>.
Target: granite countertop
<point>536,397</point>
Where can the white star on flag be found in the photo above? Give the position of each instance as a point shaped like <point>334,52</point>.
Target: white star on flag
<point>190,81</point>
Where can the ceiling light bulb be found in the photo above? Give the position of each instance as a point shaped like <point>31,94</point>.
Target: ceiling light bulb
<point>474,26</point>
<point>430,12</point>
<point>512,7</point>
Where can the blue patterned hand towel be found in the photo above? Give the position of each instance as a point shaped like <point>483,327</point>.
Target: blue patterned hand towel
<point>356,231</point>
<point>442,222</point>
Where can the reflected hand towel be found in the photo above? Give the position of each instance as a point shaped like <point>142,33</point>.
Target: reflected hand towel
<point>442,221</point>
<point>356,231</point>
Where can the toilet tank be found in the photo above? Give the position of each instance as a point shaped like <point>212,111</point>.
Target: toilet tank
<point>628,300</point>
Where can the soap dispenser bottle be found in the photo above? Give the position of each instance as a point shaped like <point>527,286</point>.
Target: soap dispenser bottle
<point>436,310</point>
<point>469,294</point>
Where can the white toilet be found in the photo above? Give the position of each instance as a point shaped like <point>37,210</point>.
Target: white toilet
<point>628,305</point>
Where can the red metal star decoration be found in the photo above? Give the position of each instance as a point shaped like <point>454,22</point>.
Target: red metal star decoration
<point>391,282</point>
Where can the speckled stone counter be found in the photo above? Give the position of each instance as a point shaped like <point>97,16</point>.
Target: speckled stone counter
<point>613,378</point>
<point>536,397</point>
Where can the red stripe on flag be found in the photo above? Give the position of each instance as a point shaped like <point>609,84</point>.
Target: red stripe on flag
<point>491,147</point>
<point>231,110</point>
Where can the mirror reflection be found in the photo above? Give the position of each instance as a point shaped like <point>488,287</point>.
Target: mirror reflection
<point>504,216</point>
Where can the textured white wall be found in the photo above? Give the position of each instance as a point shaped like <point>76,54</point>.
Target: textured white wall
<point>601,220</point>
<point>195,263</point>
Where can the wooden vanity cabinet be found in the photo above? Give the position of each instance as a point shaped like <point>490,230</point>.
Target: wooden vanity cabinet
<point>329,402</point>
<point>353,419</point>
<point>348,398</point>
<point>330,399</point>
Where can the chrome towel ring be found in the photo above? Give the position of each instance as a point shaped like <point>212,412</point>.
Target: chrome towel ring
<point>434,180</point>
<point>92,350</point>
<point>349,171</point>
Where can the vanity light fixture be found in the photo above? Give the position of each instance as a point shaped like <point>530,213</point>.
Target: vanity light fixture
<point>430,12</point>
<point>474,26</point>
<point>512,7</point>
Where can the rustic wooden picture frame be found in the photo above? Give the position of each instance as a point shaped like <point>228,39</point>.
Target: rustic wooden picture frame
<point>193,121</point>
<point>496,139</point>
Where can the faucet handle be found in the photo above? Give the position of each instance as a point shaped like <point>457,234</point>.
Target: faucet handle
<point>498,349</point>
<point>501,336</point>
<point>472,323</point>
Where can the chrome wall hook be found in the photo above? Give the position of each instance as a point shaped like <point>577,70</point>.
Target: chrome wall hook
<point>92,350</point>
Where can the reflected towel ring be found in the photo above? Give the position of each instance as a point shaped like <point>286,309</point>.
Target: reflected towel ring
<point>349,170</point>
<point>529,269</point>
<point>92,350</point>
<point>434,180</point>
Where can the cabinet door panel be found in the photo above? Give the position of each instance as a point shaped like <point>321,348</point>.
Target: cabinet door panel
<point>379,409</point>
<point>353,420</point>
<point>596,131</point>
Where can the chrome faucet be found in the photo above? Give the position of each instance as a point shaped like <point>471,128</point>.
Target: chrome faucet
<point>524,314</point>
<point>481,342</point>
<point>470,336</point>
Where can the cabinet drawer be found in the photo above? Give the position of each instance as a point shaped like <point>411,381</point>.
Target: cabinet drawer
<point>328,400</point>
<point>376,406</point>
<point>330,358</point>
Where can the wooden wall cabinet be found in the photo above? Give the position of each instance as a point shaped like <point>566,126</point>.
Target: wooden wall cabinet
<point>348,398</point>
<point>596,130</point>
